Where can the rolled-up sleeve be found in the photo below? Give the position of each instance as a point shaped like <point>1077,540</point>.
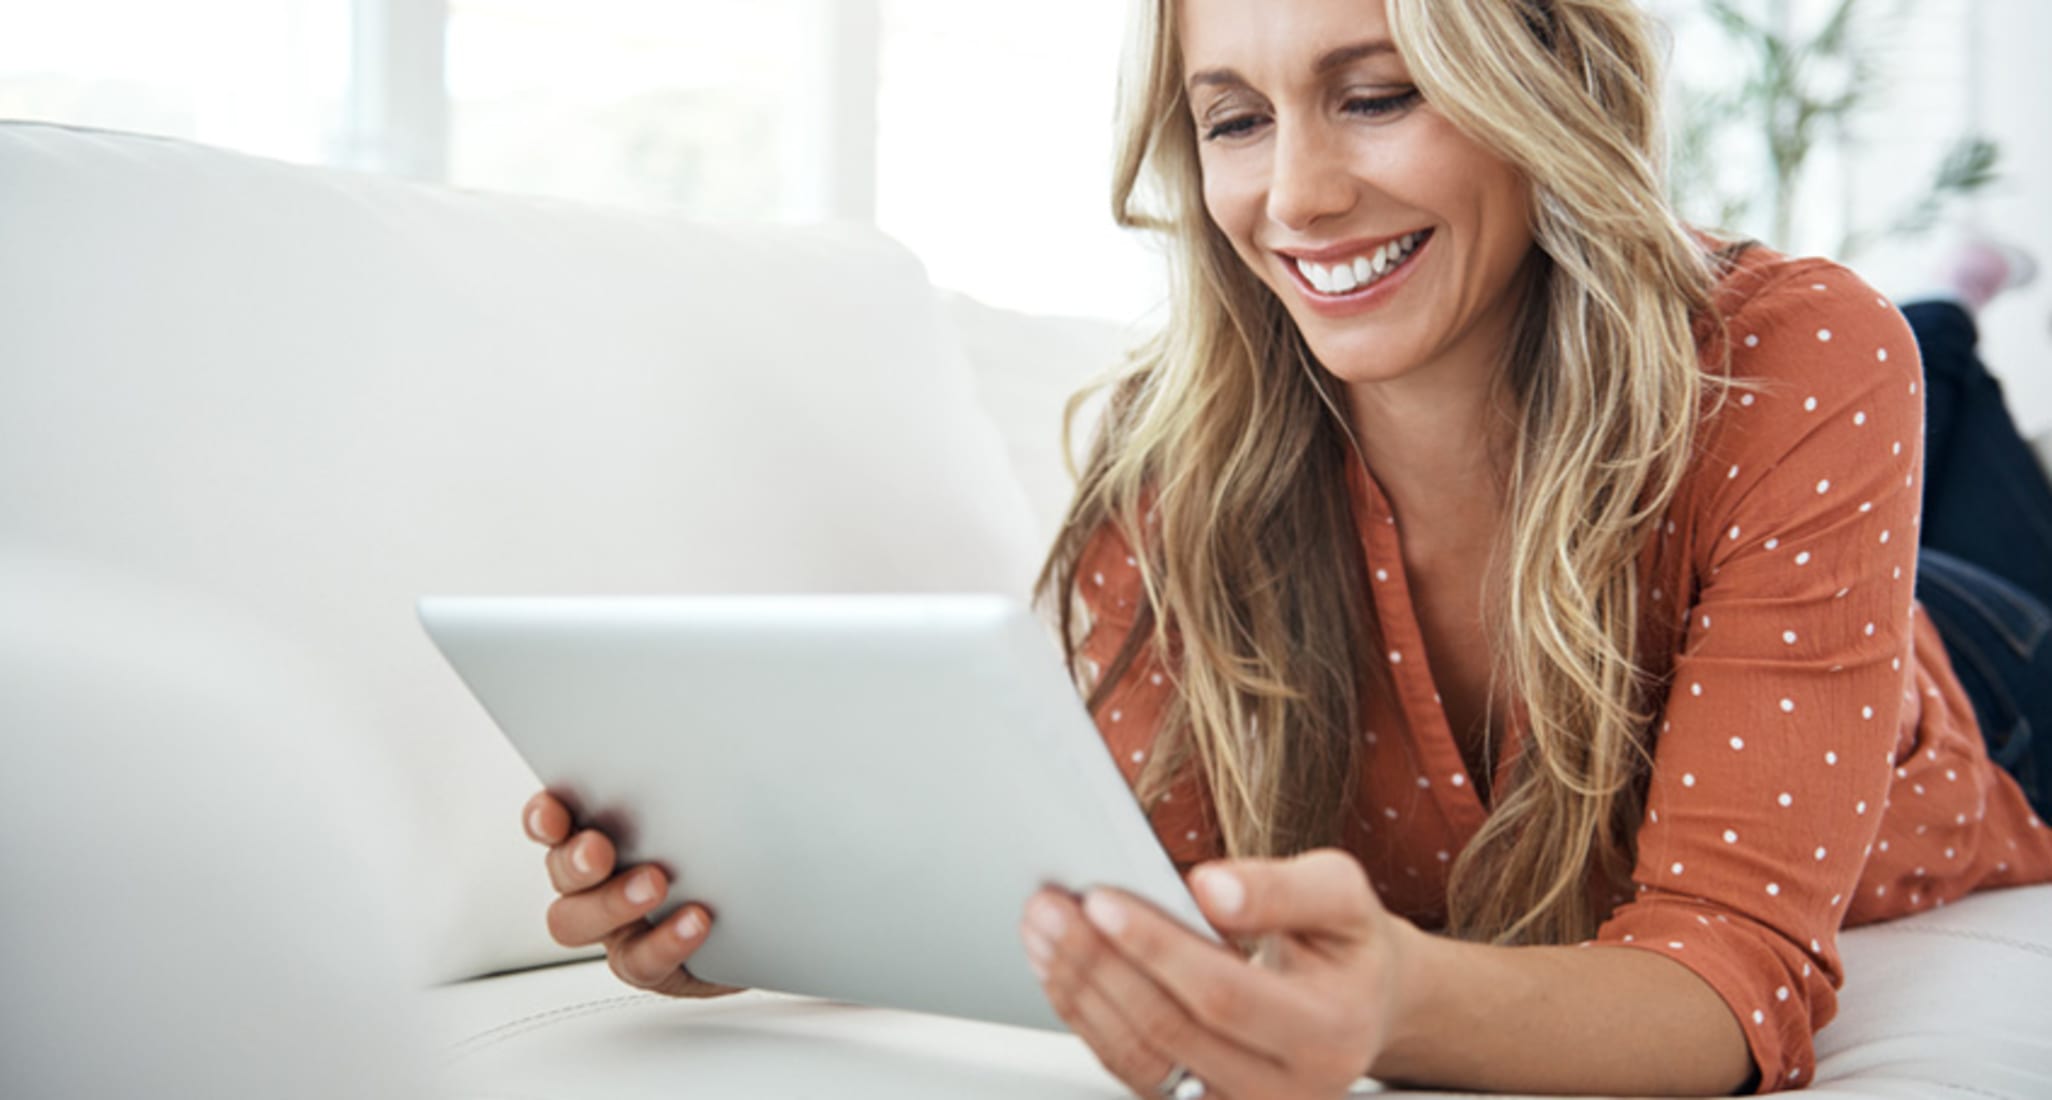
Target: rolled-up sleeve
<point>1775,748</point>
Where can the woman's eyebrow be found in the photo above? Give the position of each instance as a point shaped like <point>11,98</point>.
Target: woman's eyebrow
<point>1327,62</point>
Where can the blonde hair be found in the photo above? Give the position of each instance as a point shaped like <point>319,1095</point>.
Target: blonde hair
<point>1255,598</point>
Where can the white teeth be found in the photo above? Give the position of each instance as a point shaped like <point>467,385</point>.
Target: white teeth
<point>1344,277</point>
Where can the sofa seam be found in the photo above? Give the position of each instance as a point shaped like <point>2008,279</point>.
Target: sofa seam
<point>1970,934</point>
<point>535,1021</point>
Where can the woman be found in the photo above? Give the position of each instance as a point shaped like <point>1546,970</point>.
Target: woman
<point>1477,551</point>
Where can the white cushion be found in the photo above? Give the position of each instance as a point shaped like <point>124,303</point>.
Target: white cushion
<point>309,397</point>
<point>1026,368</point>
<point>1950,1002</point>
<point>191,907</point>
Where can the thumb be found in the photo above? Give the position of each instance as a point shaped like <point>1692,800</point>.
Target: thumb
<point>1320,894</point>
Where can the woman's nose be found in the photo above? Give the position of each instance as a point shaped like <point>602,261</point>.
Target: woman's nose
<point>1309,180</point>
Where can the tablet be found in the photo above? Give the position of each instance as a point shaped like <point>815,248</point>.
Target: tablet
<point>863,789</point>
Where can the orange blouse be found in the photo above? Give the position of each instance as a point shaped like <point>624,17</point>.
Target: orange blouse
<point>1816,763</point>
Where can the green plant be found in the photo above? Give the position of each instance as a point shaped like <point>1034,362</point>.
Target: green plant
<point>1794,94</point>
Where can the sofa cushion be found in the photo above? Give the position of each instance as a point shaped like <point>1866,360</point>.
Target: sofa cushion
<point>1949,1002</point>
<point>310,396</point>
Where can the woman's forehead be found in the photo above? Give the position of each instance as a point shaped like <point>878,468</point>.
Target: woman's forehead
<point>1252,38</point>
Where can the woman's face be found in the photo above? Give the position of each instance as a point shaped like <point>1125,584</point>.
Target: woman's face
<point>1393,239</point>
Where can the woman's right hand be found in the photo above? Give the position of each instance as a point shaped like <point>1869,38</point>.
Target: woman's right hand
<point>600,907</point>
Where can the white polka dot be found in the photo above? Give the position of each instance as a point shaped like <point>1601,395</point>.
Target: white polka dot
<point>1884,537</point>
<point>1395,657</point>
<point>1752,341</point>
<point>1139,755</point>
<point>1820,855</point>
<point>1738,743</point>
<point>1803,558</point>
<point>1424,783</point>
<point>1861,809</point>
<point>1816,947</point>
<point>1786,799</point>
<point>1795,1072</point>
<point>1099,578</point>
<point>1823,486</point>
<point>1460,780</point>
<point>1733,473</point>
<point>1734,532</point>
<point>1818,286</point>
<point>1881,355</point>
<point>1841,593</point>
<point>1866,506</point>
<point>1870,630</point>
<point>1759,1017</point>
<point>1809,404</point>
<point>1913,389</point>
<point>1155,679</point>
<point>1730,837</point>
<point>1824,334</point>
<point>1746,400</point>
<point>1688,779</point>
<point>1788,637</point>
<point>1831,758</point>
<point>1898,448</point>
<point>1677,868</point>
<point>1382,574</point>
<point>1859,419</point>
<point>1781,994</point>
<point>1772,544</point>
<point>1117,715</point>
<point>1948,853</point>
<point>1788,706</point>
<point>1191,835</point>
<point>1697,689</point>
<point>1389,812</point>
<point>1706,622</point>
<point>1676,944</point>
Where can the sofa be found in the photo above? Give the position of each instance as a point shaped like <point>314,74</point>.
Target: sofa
<point>256,838</point>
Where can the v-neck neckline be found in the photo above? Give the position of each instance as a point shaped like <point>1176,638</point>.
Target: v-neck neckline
<point>1410,664</point>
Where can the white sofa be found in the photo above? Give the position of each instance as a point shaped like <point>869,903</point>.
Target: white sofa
<point>255,839</point>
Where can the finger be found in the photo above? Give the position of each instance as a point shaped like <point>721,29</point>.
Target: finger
<point>1155,956</point>
<point>1138,1030</point>
<point>1320,895</point>
<point>547,820</point>
<point>580,920</point>
<point>580,863</point>
<point>653,957</point>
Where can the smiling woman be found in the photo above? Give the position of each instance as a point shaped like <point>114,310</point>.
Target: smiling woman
<point>1392,573</point>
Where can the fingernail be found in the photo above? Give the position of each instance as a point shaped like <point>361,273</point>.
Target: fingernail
<point>1047,919</point>
<point>641,888</point>
<point>690,925</point>
<point>1039,968</point>
<point>1223,890</point>
<point>580,857</point>
<point>534,828</point>
<point>1109,916</point>
<point>1037,947</point>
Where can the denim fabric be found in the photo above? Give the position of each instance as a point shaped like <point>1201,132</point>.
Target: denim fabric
<point>1986,499</point>
<point>1984,570</point>
<point>2000,640</point>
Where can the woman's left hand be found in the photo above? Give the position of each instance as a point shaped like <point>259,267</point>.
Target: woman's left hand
<point>1148,995</point>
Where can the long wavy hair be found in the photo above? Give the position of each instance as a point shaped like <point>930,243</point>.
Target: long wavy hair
<point>1219,454</point>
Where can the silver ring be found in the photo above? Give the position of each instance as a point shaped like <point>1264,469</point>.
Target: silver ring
<point>1181,1084</point>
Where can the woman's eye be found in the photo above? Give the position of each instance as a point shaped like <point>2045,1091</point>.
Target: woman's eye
<point>1377,106</point>
<point>1232,127</point>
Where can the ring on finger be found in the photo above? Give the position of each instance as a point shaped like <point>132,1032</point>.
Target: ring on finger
<point>1181,1084</point>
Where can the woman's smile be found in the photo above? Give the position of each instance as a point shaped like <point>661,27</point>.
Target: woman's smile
<point>1350,278</point>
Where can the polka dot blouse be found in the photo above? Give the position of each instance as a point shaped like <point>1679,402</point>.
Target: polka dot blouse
<point>1816,764</point>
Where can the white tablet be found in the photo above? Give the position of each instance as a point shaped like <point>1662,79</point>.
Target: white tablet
<point>863,789</point>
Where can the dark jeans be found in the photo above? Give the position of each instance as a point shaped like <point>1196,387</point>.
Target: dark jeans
<point>1984,570</point>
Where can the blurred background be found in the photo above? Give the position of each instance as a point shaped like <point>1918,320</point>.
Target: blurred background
<point>1874,131</point>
